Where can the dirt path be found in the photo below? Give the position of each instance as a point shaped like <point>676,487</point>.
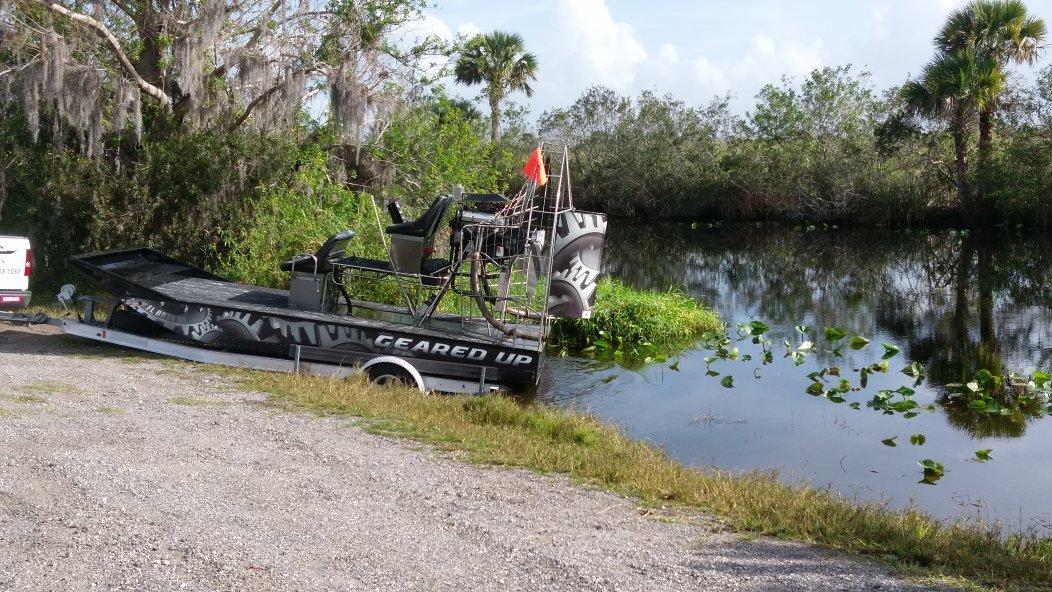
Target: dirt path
<point>124,473</point>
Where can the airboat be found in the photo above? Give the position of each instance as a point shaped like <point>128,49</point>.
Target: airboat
<point>472,315</point>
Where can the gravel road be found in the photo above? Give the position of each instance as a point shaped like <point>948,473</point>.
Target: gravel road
<point>119,472</point>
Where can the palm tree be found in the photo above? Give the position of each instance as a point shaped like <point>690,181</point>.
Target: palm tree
<point>954,86</point>
<point>500,61</point>
<point>999,30</point>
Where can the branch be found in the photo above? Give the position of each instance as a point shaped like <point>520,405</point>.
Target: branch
<point>263,97</point>
<point>115,48</point>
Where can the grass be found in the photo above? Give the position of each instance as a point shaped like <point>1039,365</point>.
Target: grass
<point>627,316</point>
<point>497,430</point>
<point>193,401</point>
<point>48,387</point>
<point>28,399</point>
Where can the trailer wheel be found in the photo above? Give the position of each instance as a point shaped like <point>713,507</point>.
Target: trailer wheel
<point>388,374</point>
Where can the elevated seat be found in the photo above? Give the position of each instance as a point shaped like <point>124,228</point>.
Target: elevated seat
<point>426,224</point>
<point>321,262</point>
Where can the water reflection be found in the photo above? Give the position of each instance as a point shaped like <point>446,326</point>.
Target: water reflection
<point>954,302</point>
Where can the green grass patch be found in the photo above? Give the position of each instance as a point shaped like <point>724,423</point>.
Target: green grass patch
<point>28,399</point>
<point>500,431</point>
<point>48,387</point>
<point>110,410</point>
<point>194,401</point>
<point>625,317</point>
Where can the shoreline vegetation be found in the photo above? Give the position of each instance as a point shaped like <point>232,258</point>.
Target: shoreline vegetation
<point>499,431</point>
<point>635,323</point>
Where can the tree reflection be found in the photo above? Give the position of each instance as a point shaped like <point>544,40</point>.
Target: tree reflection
<point>964,355</point>
<point>958,302</point>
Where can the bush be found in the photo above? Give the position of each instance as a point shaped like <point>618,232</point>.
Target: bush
<point>435,146</point>
<point>294,217</point>
<point>624,316</point>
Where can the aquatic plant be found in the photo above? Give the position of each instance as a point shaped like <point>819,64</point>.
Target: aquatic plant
<point>1011,398</point>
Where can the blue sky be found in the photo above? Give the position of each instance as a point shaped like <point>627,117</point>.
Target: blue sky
<point>696,50</point>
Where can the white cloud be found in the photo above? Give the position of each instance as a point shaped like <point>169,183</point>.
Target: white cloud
<point>599,49</point>
<point>468,29</point>
<point>429,26</point>
<point>585,43</point>
<point>711,78</point>
<point>669,54</point>
<point>880,21</point>
<point>595,48</point>
<point>768,60</point>
<point>700,78</point>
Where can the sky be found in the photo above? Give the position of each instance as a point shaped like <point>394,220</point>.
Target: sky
<point>696,50</point>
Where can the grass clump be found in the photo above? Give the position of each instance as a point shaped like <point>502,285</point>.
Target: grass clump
<point>28,399</point>
<point>48,387</point>
<point>500,431</point>
<point>193,401</point>
<point>627,317</point>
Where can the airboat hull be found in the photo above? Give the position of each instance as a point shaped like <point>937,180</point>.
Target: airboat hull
<point>197,307</point>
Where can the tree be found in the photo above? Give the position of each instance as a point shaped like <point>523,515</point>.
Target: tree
<point>89,68</point>
<point>954,86</point>
<point>500,61</point>
<point>998,32</point>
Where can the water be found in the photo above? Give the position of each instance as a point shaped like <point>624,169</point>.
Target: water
<point>951,302</point>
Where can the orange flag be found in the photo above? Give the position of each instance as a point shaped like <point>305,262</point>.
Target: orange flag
<point>534,169</point>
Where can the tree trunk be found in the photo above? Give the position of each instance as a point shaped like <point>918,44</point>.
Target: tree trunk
<point>986,137</point>
<point>960,147</point>
<point>494,117</point>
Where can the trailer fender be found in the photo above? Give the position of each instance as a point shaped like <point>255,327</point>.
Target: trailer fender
<point>401,363</point>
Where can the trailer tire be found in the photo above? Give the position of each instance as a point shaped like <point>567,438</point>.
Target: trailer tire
<point>387,373</point>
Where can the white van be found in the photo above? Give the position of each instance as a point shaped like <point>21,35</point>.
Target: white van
<point>16,263</point>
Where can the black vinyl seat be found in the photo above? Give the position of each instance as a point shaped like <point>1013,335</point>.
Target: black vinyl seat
<point>426,224</point>
<point>334,248</point>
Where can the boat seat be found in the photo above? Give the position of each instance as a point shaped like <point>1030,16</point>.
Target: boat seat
<point>426,224</point>
<point>334,248</point>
